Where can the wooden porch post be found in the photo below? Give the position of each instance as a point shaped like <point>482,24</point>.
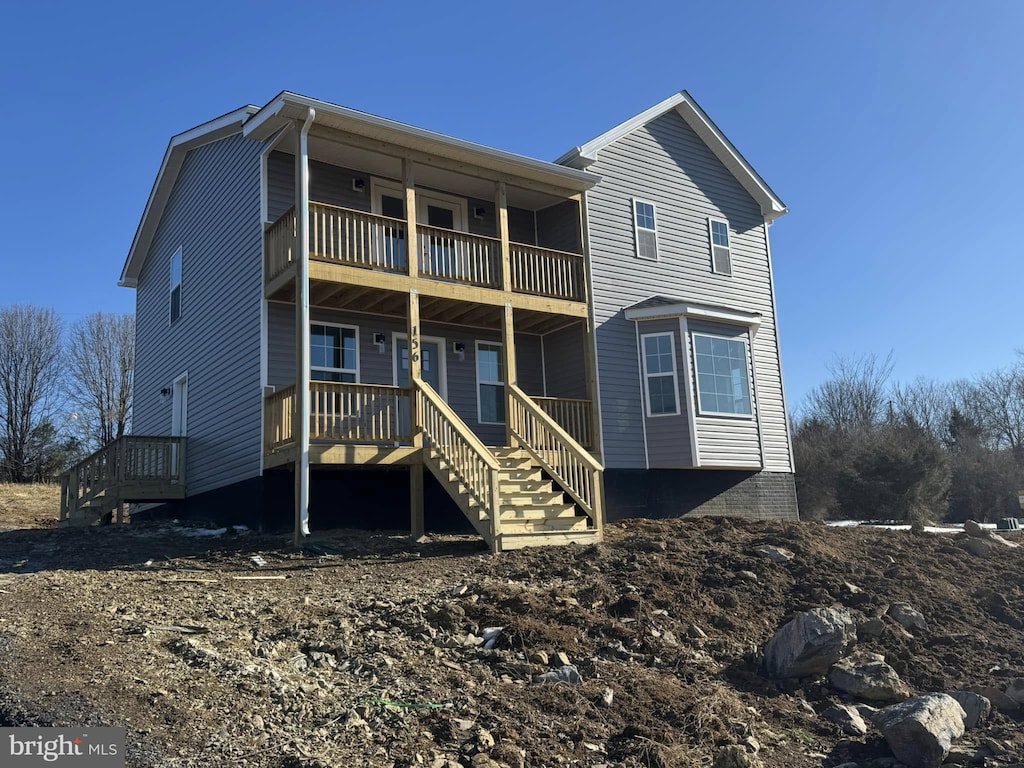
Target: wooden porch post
<point>508,340</point>
<point>416,520</point>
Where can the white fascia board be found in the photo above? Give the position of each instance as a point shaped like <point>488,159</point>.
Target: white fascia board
<point>177,148</point>
<point>289,106</point>
<point>586,154</point>
<point>751,320</point>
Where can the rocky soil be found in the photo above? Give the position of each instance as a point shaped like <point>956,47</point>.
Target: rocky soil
<point>371,650</point>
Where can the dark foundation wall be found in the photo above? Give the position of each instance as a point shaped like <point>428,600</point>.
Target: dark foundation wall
<point>676,492</point>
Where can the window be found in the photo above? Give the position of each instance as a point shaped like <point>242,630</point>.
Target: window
<point>723,378</point>
<point>176,285</point>
<point>646,230</point>
<point>333,353</point>
<point>490,383</point>
<point>721,258</point>
<point>659,356</point>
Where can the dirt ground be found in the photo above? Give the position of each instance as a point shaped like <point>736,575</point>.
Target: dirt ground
<point>237,650</point>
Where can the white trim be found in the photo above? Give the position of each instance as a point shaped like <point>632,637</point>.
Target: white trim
<point>179,388</point>
<point>179,255</point>
<point>592,321</point>
<point>713,314</point>
<point>287,106</point>
<point>442,355</point>
<point>586,154</point>
<point>647,376</point>
<point>458,205</point>
<point>755,401</point>
<point>689,385</point>
<point>343,326</point>
<point>778,349</point>
<point>476,374</point>
<point>712,245</point>
<point>635,201</point>
<point>749,371</point>
<point>640,380</point>
<point>174,155</point>
<point>378,186</point>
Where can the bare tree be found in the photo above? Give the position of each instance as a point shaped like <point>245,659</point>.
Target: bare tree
<point>856,395</point>
<point>996,401</point>
<point>101,356</point>
<point>30,380</point>
<point>926,404</point>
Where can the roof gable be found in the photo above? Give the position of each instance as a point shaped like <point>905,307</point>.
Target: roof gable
<point>691,112</point>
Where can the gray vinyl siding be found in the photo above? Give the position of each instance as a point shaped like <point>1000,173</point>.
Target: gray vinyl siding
<point>558,227</point>
<point>280,184</point>
<point>666,163</point>
<point>378,368</point>
<point>213,213</point>
<point>564,363</point>
<point>725,440</point>
<point>522,226</point>
<point>668,436</point>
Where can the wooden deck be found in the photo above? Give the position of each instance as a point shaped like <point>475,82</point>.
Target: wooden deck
<point>133,468</point>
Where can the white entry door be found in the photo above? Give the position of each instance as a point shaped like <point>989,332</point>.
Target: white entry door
<point>179,418</point>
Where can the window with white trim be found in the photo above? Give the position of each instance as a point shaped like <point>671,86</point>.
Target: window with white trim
<point>333,352</point>
<point>723,375</point>
<point>645,229</point>
<point>721,255</point>
<point>660,383</point>
<point>490,383</point>
<point>175,287</point>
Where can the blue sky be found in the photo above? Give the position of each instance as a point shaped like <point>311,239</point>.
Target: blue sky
<point>891,130</point>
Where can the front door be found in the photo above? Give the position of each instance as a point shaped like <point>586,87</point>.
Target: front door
<point>179,418</point>
<point>441,248</point>
<point>431,371</point>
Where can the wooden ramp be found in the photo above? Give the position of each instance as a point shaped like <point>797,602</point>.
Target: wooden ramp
<point>132,468</point>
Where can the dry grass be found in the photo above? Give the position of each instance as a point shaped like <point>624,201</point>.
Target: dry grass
<point>30,505</point>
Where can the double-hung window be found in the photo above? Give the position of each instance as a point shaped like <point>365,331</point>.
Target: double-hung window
<point>660,383</point>
<point>175,287</point>
<point>490,383</point>
<point>645,230</point>
<point>723,375</point>
<point>333,353</point>
<point>721,254</point>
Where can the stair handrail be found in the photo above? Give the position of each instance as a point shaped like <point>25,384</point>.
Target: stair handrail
<point>570,464</point>
<point>470,460</point>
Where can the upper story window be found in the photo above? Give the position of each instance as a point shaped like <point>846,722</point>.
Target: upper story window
<point>490,383</point>
<point>333,352</point>
<point>645,229</point>
<point>721,256</point>
<point>175,286</point>
<point>661,384</point>
<point>723,375</point>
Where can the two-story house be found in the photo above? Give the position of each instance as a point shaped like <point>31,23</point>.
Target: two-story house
<point>329,301</point>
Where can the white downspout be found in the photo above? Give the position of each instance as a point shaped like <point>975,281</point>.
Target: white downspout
<point>302,353</point>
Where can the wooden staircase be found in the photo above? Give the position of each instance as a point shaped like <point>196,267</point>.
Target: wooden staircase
<point>132,468</point>
<point>543,491</point>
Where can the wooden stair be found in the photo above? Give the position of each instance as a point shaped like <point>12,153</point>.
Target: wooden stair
<point>533,512</point>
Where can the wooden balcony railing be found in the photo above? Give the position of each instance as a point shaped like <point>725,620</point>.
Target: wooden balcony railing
<point>280,244</point>
<point>572,415</point>
<point>460,257</point>
<point>341,412</point>
<point>356,238</point>
<point>544,272</point>
<point>577,472</point>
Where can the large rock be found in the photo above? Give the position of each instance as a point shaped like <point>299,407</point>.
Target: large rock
<point>908,616</point>
<point>773,553</point>
<point>974,529</point>
<point>867,676</point>
<point>976,707</point>
<point>921,730</point>
<point>811,643</point>
<point>977,547</point>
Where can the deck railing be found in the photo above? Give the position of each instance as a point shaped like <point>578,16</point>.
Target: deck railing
<point>572,415</point>
<point>135,461</point>
<point>463,452</point>
<point>340,412</point>
<point>459,256</point>
<point>357,238</point>
<point>546,272</point>
<point>564,459</point>
<point>280,244</point>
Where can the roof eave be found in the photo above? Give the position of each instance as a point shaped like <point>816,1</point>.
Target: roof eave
<point>177,148</point>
